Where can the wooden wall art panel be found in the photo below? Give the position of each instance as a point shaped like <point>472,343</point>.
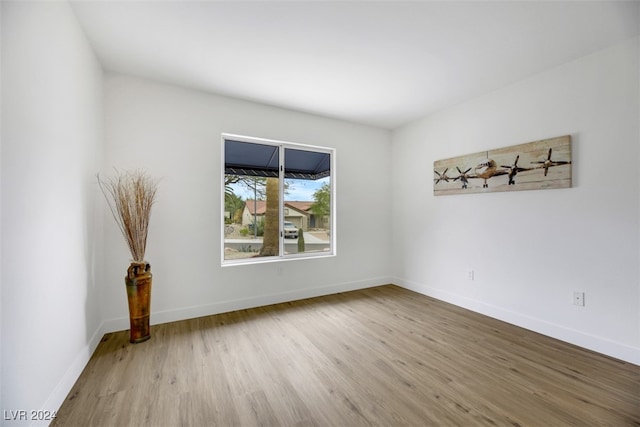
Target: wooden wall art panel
<point>543,164</point>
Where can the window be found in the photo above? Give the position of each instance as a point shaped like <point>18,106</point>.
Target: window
<point>278,200</point>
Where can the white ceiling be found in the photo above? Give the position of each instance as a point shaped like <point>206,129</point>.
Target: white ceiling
<point>378,63</point>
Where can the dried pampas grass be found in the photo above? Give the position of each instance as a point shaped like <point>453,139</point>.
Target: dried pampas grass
<point>130,195</point>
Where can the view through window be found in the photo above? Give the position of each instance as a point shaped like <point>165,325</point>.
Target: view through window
<point>277,200</point>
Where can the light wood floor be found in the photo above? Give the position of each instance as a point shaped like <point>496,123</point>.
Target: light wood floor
<point>381,356</point>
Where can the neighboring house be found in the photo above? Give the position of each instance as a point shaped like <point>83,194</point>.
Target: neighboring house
<point>251,206</point>
<point>299,213</point>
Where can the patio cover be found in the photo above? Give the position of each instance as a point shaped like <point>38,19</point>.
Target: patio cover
<point>252,159</point>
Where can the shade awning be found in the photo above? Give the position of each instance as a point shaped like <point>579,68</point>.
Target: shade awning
<point>252,159</point>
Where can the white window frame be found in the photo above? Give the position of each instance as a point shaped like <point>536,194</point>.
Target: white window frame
<point>282,145</point>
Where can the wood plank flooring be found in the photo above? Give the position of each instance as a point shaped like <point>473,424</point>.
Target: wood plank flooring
<point>381,356</point>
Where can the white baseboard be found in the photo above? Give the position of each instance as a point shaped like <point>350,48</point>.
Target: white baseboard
<point>62,389</point>
<point>192,312</point>
<point>598,344</point>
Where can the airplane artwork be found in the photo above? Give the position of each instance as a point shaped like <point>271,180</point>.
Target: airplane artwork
<point>535,165</point>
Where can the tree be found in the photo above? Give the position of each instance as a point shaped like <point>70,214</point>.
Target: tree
<point>270,240</point>
<point>322,205</point>
<point>255,184</point>
<point>233,204</point>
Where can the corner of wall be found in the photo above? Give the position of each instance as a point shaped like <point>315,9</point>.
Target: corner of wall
<point>541,245</point>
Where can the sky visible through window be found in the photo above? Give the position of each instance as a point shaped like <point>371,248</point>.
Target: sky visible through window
<point>300,190</point>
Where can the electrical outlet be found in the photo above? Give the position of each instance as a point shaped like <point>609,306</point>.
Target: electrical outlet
<point>578,298</point>
<point>471,275</point>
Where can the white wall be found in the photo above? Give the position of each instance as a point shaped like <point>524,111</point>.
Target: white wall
<point>51,148</point>
<point>1,240</point>
<point>175,134</point>
<point>530,250</point>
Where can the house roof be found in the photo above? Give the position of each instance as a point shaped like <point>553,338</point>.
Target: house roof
<point>300,206</point>
<point>261,206</point>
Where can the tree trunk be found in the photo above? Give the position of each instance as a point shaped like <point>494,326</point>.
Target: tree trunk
<point>270,240</point>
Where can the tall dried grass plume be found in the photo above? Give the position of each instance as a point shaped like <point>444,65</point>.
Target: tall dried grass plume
<point>130,196</point>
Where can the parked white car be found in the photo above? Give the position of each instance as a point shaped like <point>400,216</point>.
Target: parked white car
<point>290,230</point>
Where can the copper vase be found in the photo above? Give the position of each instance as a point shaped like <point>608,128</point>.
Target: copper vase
<point>138,283</point>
